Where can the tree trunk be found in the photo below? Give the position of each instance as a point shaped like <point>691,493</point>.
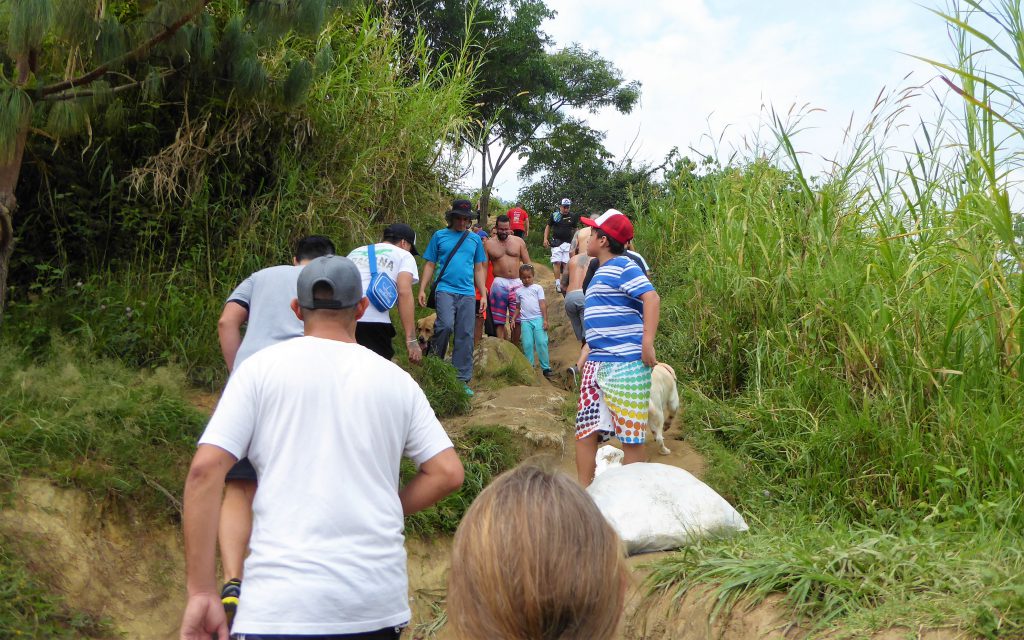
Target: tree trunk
<point>485,192</point>
<point>8,205</point>
<point>9,173</point>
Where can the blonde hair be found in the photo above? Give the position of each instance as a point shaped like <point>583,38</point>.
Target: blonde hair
<point>534,559</point>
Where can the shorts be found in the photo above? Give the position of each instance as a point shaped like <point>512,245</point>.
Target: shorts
<point>560,253</point>
<point>502,298</point>
<point>243,470</point>
<point>519,233</point>
<point>377,336</point>
<point>614,399</point>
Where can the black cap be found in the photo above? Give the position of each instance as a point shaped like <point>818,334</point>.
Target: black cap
<point>462,208</point>
<point>401,231</point>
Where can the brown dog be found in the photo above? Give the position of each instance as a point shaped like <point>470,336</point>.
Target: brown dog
<point>425,330</point>
<point>664,402</point>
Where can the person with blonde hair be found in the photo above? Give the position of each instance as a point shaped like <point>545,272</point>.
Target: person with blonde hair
<point>534,559</point>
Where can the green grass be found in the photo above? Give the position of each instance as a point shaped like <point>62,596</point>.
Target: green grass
<point>121,435</point>
<point>29,608</point>
<point>485,453</point>
<point>444,391</point>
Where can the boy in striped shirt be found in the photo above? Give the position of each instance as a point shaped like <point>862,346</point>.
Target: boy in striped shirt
<point>620,319</point>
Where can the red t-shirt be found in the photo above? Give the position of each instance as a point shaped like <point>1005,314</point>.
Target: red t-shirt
<point>517,217</point>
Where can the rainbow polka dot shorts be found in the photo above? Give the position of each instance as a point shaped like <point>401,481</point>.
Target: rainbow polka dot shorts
<point>614,399</point>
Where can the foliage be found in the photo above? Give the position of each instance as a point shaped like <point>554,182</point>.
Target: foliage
<point>118,434</point>
<point>29,609</point>
<point>166,216</point>
<point>855,344</point>
<point>439,381</point>
<point>525,91</point>
<point>485,453</point>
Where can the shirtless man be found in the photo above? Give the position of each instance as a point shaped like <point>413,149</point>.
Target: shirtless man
<point>506,252</point>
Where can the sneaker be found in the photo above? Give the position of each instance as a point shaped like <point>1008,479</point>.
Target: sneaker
<point>558,286</point>
<point>469,392</point>
<point>547,373</point>
<point>574,373</point>
<point>229,598</point>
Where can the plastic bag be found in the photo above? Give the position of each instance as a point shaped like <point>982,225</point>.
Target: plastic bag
<point>655,507</point>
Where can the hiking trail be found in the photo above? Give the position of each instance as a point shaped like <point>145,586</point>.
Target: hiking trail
<point>133,572</point>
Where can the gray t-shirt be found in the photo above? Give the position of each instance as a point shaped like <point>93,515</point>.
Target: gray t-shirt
<point>267,294</point>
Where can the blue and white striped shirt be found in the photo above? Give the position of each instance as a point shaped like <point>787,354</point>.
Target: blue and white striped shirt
<point>613,318</point>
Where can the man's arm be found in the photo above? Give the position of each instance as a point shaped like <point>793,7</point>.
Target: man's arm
<point>428,275</point>
<point>652,313</point>
<point>524,253</point>
<point>229,330</point>
<point>584,354</point>
<point>526,225</point>
<point>204,613</point>
<point>547,230</point>
<point>480,279</point>
<point>436,478</point>
<point>407,314</point>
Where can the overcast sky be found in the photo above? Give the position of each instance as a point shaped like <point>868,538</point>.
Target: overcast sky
<point>708,66</point>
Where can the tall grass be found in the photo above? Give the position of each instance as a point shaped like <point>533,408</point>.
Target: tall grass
<point>855,342</point>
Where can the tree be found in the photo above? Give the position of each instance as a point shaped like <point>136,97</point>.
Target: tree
<point>525,92</point>
<point>66,64</point>
<point>573,162</point>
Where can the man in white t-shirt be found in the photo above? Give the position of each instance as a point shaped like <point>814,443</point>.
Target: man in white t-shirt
<point>325,422</point>
<point>395,258</point>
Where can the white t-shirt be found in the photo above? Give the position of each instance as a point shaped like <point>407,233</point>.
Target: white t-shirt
<point>326,424</point>
<point>529,301</point>
<point>391,260</point>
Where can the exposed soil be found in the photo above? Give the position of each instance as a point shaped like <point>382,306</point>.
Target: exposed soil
<point>132,572</point>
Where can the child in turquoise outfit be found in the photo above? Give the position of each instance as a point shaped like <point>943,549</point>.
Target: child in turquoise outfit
<point>531,311</point>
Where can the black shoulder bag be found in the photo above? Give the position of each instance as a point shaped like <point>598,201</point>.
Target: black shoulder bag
<point>432,296</point>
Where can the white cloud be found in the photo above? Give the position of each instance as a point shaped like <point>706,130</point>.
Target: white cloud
<point>708,66</point>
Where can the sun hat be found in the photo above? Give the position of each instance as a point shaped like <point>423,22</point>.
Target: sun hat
<point>463,208</point>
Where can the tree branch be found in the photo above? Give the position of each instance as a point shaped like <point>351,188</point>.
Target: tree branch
<point>137,52</point>
<point>71,95</point>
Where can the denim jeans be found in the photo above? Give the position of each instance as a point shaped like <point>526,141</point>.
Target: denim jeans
<point>456,314</point>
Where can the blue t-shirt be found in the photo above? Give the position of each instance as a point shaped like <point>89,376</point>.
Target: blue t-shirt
<point>458,277</point>
<point>613,318</point>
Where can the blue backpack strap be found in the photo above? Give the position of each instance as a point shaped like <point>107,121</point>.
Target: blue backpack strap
<point>372,251</point>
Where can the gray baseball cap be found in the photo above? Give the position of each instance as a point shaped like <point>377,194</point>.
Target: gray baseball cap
<point>340,274</point>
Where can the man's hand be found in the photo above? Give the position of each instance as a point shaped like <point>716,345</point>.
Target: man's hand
<point>647,354</point>
<point>547,245</point>
<point>483,305</point>
<point>422,298</point>
<point>415,353</point>
<point>204,617</point>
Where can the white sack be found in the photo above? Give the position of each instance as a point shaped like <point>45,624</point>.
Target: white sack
<point>608,457</point>
<point>654,507</point>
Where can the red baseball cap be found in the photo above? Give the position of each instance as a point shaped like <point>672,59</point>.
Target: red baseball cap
<point>614,223</point>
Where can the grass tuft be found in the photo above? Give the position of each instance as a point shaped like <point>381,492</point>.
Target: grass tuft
<point>485,453</point>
